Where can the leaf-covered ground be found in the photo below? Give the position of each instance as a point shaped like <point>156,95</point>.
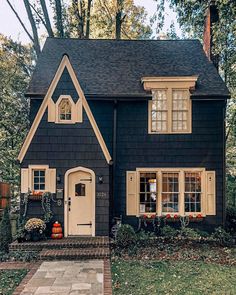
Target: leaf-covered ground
<point>132,277</point>
<point>10,279</point>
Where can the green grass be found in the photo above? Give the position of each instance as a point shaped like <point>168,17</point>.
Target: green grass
<point>172,277</point>
<point>10,279</point>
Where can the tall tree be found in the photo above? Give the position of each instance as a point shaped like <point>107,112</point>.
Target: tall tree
<point>33,26</point>
<point>16,64</point>
<point>47,19</point>
<point>59,18</point>
<point>191,15</point>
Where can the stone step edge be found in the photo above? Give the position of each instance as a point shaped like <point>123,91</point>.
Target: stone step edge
<point>90,253</point>
<point>38,247</point>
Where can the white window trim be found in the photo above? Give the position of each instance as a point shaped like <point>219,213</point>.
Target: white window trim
<point>181,171</point>
<point>169,91</point>
<point>73,110</point>
<point>31,177</point>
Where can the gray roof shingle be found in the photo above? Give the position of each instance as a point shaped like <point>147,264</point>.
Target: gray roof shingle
<point>115,68</point>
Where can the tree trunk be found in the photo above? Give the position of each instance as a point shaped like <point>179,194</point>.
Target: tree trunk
<point>47,19</point>
<point>88,19</point>
<point>33,26</point>
<point>119,18</point>
<point>59,23</point>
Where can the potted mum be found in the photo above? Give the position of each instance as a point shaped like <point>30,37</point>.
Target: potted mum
<point>35,227</point>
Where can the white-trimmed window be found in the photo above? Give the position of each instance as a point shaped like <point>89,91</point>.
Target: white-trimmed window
<point>64,110</point>
<point>170,111</point>
<point>38,178</point>
<point>170,192</point>
<point>165,191</point>
<point>192,191</point>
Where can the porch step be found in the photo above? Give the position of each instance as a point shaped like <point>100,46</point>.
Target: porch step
<point>65,243</point>
<point>74,254</point>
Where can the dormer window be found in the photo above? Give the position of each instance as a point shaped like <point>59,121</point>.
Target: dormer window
<point>170,110</point>
<point>65,110</point>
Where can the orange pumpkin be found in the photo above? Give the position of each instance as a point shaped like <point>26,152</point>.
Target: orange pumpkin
<point>57,236</point>
<point>56,230</point>
<point>56,224</point>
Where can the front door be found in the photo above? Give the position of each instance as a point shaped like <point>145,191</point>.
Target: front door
<point>80,203</point>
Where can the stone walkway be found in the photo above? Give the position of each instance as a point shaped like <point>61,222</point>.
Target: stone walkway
<point>67,278</point>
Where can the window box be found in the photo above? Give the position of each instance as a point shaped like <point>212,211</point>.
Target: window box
<point>36,196</point>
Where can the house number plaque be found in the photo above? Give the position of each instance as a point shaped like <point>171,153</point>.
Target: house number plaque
<point>101,195</point>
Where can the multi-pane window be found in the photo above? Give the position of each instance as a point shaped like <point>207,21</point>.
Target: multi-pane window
<point>192,192</point>
<point>180,109</point>
<point>39,180</point>
<point>148,192</point>
<point>170,111</point>
<point>170,192</point>
<point>166,191</point>
<point>65,110</point>
<point>159,111</point>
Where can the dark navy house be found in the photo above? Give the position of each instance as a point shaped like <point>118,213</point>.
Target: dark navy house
<point>131,128</point>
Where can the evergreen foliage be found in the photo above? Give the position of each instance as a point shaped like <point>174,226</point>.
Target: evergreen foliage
<point>5,231</point>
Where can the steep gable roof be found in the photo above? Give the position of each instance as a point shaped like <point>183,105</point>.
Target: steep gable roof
<point>115,67</point>
<point>64,64</point>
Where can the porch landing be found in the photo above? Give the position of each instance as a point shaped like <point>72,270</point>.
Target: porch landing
<point>67,248</point>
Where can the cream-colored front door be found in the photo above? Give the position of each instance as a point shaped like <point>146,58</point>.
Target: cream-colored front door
<point>80,204</point>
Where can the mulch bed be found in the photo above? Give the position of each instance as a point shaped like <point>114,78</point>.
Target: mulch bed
<point>180,250</point>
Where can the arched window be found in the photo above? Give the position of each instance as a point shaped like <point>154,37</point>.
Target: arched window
<point>65,110</point>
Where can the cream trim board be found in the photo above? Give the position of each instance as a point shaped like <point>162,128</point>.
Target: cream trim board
<point>150,83</point>
<point>68,172</point>
<point>65,63</point>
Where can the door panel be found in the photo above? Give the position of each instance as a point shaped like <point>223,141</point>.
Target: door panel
<point>80,213</point>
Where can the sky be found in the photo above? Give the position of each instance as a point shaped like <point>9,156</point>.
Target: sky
<point>10,26</point>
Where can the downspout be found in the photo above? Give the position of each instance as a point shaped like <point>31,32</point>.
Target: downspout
<point>224,167</point>
<point>113,166</point>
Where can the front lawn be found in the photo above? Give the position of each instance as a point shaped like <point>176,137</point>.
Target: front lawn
<point>10,279</point>
<point>132,277</point>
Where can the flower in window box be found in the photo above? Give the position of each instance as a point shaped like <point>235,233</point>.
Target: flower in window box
<point>199,215</point>
<point>190,216</point>
<point>153,216</point>
<point>144,216</point>
<point>168,216</point>
<point>176,216</point>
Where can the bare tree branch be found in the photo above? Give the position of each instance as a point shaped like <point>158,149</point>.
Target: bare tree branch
<point>47,19</point>
<point>33,26</point>
<point>19,19</point>
<point>39,16</point>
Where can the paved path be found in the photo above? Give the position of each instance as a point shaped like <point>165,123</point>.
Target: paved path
<point>67,278</point>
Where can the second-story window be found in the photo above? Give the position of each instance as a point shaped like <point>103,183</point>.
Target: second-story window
<point>65,110</point>
<point>170,111</point>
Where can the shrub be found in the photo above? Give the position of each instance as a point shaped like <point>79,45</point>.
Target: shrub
<point>5,231</point>
<point>202,233</point>
<point>231,219</point>
<point>189,233</point>
<point>222,237</point>
<point>144,238</point>
<point>126,236</point>
<point>168,232</point>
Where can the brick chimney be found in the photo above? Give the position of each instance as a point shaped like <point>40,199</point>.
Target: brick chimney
<point>212,17</point>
